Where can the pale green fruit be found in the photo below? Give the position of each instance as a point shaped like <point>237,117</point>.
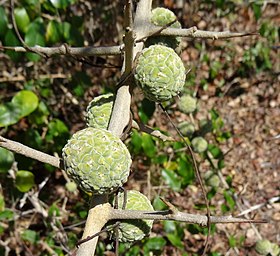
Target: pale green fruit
<point>161,17</point>
<point>96,160</point>
<point>160,73</point>
<point>265,247</point>
<point>99,111</point>
<point>134,230</point>
<point>212,179</point>
<point>71,186</point>
<point>199,144</point>
<point>187,104</point>
<point>186,128</point>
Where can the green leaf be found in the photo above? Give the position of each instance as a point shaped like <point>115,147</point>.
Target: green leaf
<point>12,40</point>
<point>215,151</point>
<point>175,240</point>
<point>185,170</point>
<point>34,36</point>
<point>257,8</point>
<point>7,215</point>
<point>24,181</point>
<point>6,160</point>
<point>2,203</point>
<point>54,211</point>
<point>148,145</point>
<point>158,204</point>
<point>171,179</point>
<point>26,101</point>
<point>53,34</point>
<point>22,19</point>
<point>229,199</point>
<point>33,8</point>
<point>154,244</point>
<point>60,4</point>
<point>3,22</point>
<point>232,241</point>
<point>169,226</point>
<point>9,114</point>
<point>136,141</point>
<point>30,236</point>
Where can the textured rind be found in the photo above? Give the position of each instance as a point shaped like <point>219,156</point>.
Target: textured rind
<point>96,160</point>
<point>99,111</point>
<point>186,128</point>
<point>134,230</point>
<point>161,17</point>
<point>265,247</point>
<point>199,144</point>
<point>160,73</point>
<point>187,104</point>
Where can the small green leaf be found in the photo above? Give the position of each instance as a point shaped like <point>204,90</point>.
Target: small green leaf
<point>12,40</point>
<point>22,19</point>
<point>9,114</point>
<point>172,179</point>
<point>34,36</point>
<point>6,215</point>
<point>158,204</point>
<point>30,236</point>
<point>154,244</point>
<point>148,145</point>
<point>257,8</point>
<point>175,240</point>
<point>3,22</point>
<point>24,181</point>
<point>60,4</point>
<point>6,160</point>
<point>53,32</point>
<point>229,199</point>
<point>2,203</point>
<point>26,101</point>
<point>232,241</point>
<point>215,151</point>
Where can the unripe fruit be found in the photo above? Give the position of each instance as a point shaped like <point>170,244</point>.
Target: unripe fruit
<point>99,111</point>
<point>212,179</point>
<point>186,128</point>
<point>134,230</point>
<point>265,247</point>
<point>160,73</point>
<point>187,104</point>
<point>199,144</point>
<point>96,160</point>
<point>161,17</point>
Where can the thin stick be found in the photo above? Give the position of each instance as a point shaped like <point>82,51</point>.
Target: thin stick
<point>198,176</point>
<point>30,152</point>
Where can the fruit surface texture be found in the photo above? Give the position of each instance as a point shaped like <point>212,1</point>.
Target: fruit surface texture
<point>134,230</point>
<point>160,73</point>
<point>96,160</point>
<point>162,17</point>
<point>99,111</point>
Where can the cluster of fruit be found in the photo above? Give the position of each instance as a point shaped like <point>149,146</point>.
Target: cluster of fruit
<point>97,160</point>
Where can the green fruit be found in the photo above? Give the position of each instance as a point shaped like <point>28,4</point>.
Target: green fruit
<point>96,160</point>
<point>265,247</point>
<point>199,144</point>
<point>212,179</point>
<point>160,73</point>
<point>187,104</point>
<point>186,128</point>
<point>134,230</point>
<point>99,111</point>
<point>71,186</point>
<point>161,17</point>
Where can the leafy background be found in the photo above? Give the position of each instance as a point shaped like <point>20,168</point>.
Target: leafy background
<point>42,102</point>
